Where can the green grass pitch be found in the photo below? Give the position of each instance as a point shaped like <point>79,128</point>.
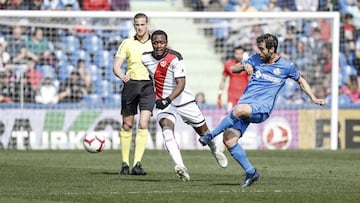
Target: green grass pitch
<point>79,176</point>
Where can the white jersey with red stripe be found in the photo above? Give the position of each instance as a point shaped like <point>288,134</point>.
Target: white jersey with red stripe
<point>164,71</point>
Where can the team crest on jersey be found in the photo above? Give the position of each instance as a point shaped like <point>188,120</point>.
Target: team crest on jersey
<point>276,71</point>
<point>163,63</point>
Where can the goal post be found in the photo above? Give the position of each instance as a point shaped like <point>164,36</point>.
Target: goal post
<point>193,35</point>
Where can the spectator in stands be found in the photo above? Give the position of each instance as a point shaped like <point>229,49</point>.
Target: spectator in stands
<point>5,94</point>
<point>95,5</point>
<point>343,6</point>
<point>325,30</point>
<point>288,47</point>
<point>23,90</point>
<point>35,5</point>
<point>70,5</point>
<point>34,76</point>
<point>16,47</point>
<point>316,43</point>
<point>18,5</point>
<point>273,6</point>
<point>72,89</point>
<point>296,96</point>
<point>47,93</point>
<point>51,5</point>
<point>352,89</point>
<point>4,4</point>
<point>302,57</point>
<point>4,56</point>
<point>287,5</point>
<point>200,98</point>
<point>324,5</point>
<point>325,59</point>
<point>207,5</point>
<point>354,9</point>
<point>39,45</point>
<point>306,5</point>
<point>120,5</point>
<point>260,5</point>
<point>84,75</point>
<point>356,55</point>
<point>349,26</point>
<point>245,6</point>
<point>343,98</point>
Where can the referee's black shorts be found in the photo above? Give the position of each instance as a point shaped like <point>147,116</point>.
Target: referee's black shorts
<point>137,93</point>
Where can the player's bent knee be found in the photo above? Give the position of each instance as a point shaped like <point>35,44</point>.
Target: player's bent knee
<point>242,110</point>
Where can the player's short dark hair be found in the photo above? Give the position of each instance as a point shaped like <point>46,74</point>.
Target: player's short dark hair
<point>269,39</point>
<point>159,32</point>
<point>238,47</point>
<point>141,15</point>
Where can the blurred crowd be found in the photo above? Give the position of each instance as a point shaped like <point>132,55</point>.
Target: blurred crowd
<point>62,65</point>
<point>75,5</point>
<point>306,42</point>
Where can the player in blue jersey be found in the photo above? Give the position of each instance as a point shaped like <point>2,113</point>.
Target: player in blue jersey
<point>269,73</point>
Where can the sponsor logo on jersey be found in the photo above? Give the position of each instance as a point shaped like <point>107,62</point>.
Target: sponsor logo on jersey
<point>258,75</point>
<point>163,64</point>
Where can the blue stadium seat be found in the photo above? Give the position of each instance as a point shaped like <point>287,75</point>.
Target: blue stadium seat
<point>46,70</point>
<point>92,44</point>
<point>113,100</point>
<point>93,100</point>
<point>80,54</point>
<point>64,71</point>
<point>61,58</point>
<point>103,58</point>
<point>71,42</point>
<point>95,72</point>
<point>124,27</point>
<point>104,88</point>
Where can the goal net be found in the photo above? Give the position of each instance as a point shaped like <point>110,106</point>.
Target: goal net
<point>79,48</point>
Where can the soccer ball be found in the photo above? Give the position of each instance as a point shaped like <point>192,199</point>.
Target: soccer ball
<point>93,142</point>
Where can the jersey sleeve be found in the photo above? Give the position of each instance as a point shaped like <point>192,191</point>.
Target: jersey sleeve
<point>294,73</point>
<point>179,68</point>
<point>227,69</point>
<point>121,52</point>
<point>251,60</point>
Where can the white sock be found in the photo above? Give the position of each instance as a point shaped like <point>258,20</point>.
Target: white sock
<point>212,144</point>
<point>172,146</point>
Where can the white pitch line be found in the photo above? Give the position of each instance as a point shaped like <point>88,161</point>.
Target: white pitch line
<point>169,192</point>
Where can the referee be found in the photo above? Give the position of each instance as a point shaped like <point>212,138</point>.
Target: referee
<point>138,92</point>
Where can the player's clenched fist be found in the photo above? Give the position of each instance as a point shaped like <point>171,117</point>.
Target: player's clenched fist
<point>162,103</point>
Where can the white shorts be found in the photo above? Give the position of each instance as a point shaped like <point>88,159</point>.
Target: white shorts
<point>190,114</point>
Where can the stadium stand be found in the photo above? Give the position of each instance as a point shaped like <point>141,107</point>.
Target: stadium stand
<point>97,47</point>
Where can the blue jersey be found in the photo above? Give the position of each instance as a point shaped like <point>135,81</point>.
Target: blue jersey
<point>266,82</point>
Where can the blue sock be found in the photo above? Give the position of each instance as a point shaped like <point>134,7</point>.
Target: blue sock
<point>225,123</point>
<point>238,153</point>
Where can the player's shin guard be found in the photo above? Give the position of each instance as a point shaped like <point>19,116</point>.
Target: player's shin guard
<point>140,144</point>
<point>225,123</point>
<point>239,154</point>
<point>172,146</point>
<point>125,143</point>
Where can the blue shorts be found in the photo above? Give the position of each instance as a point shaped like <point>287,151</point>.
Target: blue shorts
<point>258,115</point>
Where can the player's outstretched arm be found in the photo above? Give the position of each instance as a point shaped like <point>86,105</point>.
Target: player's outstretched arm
<point>304,85</point>
<point>239,67</point>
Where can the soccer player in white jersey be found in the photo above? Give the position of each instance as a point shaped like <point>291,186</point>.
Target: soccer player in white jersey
<point>269,74</point>
<point>173,97</point>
